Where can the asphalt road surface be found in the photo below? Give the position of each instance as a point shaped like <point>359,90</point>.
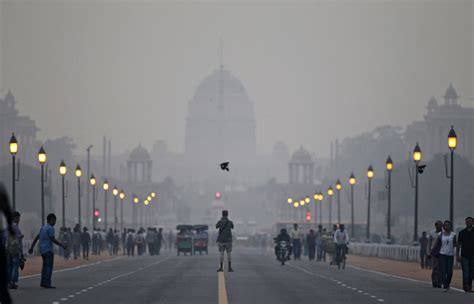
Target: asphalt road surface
<point>258,279</point>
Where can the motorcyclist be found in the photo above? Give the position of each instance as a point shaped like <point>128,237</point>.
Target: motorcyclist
<point>283,237</point>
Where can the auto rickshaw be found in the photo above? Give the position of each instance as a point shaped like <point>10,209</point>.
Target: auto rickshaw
<point>185,239</point>
<point>201,238</point>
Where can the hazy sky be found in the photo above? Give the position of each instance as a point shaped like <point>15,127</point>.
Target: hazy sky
<point>315,70</point>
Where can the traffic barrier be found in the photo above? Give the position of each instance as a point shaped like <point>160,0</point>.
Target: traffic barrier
<point>393,252</point>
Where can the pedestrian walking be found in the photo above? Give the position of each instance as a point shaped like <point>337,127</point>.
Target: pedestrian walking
<point>66,240</point>
<point>110,241</point>
<point>14,248</point>
<point>140,241</point>
<point>159,240</point>
<point>5,209</point>
<point>435,271</point>
<point>46,239</point>
<point>446,242</point>
<point>311,244</point>
<point>151,239</point>
<point>466,247</point>
<point>319,242</point>
<point>85,241</point>
<point>124,241</point>
<point>296,237</point>
<point>224,240</point>
<point>130,243</point>
<point>423,241</point>
<point>76,242</point>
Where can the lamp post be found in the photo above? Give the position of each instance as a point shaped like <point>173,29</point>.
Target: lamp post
<point>416,158</point>
<point>93,182</point>
<point>321,198</point>
<point>338,188</point>
<point>290,202</point>
<point>88,169</point>
<point>370,176</point>
<point>13,152</point>
<point>78,175</point>
<point>352,182</point>
<point>452,144</point>
<point>389,167</point>
<point>42,161</point>
<point>330,194</point>
<point>146,202</point>
<point>122,197</point>
<point>62,172</point>
<point>115,192</point>
<point>136,200</point>
<point>105,186</point>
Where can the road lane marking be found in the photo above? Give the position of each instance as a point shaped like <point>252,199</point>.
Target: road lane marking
<point>397,277</point>
<point>119,276</point>
<point>72,268</point>
<point>332,279</point>
<point>222,292</point>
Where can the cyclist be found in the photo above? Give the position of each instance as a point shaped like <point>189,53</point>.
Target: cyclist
<point>341,238</point>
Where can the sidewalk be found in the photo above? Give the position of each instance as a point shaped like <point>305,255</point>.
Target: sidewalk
<point>33,264</point>
<point>398,268</point>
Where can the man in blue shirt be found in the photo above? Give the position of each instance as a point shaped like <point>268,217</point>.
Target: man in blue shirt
<point>46,239</point>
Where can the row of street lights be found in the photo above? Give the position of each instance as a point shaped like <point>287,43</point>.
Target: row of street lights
<point>417,157</point>
<point>42,159</point>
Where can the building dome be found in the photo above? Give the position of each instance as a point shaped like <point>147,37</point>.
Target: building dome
<point>220,83</point>
<point>139,154</point>
<point>301,156</point>
<point>450,96</point>
<point>220,110</point>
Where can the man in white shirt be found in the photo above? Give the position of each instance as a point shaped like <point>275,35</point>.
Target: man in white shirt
<point>341,239</point>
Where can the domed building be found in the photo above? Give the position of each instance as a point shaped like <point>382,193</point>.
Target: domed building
<point>139,165</point>
<point>220,125</point>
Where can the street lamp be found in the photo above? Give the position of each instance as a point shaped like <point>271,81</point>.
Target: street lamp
<point>148,198</point>
<point>63,172</point>
<point>78,175</point>
<point>370,176</point>
<point>289,200</point>
<point>115,192</point>
<point>42,160</point>
<point>13,152</point>
<point>352,182</point>
<point>338,188</point>
<point>321,198</point>
<point>105,186</point>
<point>122,197</point>
<point>136,200</point>
<point>93,182</point>
<point>389,167</point>
<point>330,194</point>
<point>452,144</point>
<point>153,194</point>
<point>416,158</point>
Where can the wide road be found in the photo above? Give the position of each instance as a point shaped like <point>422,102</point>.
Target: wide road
<point>258,279</point>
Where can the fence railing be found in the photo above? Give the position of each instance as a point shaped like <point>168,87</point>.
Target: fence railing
<point>393,252</point>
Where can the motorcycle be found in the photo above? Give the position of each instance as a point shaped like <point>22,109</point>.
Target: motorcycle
<point>282,252</point>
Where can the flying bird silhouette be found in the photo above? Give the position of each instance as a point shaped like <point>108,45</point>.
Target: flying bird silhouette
<point>225,166</point>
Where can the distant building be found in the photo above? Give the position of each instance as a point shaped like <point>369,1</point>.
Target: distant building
<point>432,132</point>
<point>24,128</point>
<point>220,125</point>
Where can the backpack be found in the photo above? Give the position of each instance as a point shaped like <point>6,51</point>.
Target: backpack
<point>13,246</point>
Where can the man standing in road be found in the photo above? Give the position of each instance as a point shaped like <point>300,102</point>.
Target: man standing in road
<point>296,236</point>
<point>46,239</point>
<point>436,272</point>
<point>466,246</point>
<point>224,239</point>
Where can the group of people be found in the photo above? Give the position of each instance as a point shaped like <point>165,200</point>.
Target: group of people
<point>315,243</point>
<point>152,239</point>
<point>443,247</point>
